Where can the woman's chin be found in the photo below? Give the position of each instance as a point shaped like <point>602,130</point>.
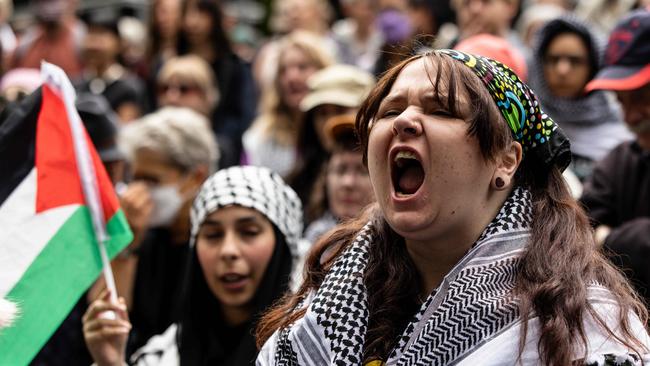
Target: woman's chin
<point>410,225</point>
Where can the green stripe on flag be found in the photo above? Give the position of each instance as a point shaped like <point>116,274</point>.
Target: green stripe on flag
<point>53,283</point>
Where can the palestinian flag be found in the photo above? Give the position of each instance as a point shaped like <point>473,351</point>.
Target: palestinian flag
<point>49,254</point>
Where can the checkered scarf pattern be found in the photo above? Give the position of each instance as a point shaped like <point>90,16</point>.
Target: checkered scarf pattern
<point>252,187</point>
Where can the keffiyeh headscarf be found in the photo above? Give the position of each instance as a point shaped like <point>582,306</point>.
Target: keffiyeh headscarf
<point>252,187</point>
<point>538,134</point>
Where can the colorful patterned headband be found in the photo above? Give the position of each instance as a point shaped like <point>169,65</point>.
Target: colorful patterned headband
<point>531,127</point>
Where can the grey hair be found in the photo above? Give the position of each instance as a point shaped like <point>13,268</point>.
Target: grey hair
<point>180,134</point>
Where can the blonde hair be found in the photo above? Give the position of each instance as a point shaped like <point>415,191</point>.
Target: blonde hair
<point>275,119</point>
<point>6,10</point>
<point>278,19</point>
<point>193,69</point>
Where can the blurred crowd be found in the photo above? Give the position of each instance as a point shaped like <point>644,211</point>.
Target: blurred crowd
<point>190,87</point>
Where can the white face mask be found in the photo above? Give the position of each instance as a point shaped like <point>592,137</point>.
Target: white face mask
<point>166,203</point>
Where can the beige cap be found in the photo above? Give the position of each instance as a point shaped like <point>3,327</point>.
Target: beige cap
<point>342,85</point>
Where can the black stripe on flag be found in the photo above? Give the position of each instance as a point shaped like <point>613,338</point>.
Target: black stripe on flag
<point>17,141</point>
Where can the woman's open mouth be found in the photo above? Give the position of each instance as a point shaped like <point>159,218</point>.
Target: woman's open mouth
<point>407,173</point>
<point>233,281</point>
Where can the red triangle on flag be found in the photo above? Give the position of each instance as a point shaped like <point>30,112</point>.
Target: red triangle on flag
<point>58,179</point>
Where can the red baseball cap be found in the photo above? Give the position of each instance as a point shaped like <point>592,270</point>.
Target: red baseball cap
<point>627,57</point>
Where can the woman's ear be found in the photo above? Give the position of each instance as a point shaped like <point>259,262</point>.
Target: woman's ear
<point>507,162</point>
<point>195,179</point>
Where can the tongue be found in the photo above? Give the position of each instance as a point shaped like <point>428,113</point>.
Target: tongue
<point>411,179</point>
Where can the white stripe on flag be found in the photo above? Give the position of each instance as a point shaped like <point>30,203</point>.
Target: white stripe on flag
<point>24,234</point>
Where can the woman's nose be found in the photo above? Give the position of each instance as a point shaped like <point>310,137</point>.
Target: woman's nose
<point>230,247</point>
<point>407,125</point>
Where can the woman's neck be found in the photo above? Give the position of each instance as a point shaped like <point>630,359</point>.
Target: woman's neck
<point>433,262</point>
<point>205,51</point>
<point>435,257</point>
<point>236,315</point>
<point>168,47</point>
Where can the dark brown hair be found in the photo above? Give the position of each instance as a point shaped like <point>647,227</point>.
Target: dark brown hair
<point>554,271</point>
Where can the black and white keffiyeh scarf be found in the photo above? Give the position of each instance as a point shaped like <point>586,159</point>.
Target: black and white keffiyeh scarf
<point>472,305</point>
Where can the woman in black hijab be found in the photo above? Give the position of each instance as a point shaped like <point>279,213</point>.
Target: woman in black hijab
<point>246,224</point>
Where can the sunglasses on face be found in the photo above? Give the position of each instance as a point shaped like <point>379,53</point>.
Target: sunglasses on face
<point>181,88</point>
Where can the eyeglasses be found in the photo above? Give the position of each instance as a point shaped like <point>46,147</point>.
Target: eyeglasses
<point>181,88</point>
<point>574,61</point>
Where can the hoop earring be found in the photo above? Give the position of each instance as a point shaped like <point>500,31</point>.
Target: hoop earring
<point>499,183</point>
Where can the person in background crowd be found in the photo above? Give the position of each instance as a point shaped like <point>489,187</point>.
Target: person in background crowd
<point>202,34</point>
<point>487,16</point>
<point>103,74</point>
<point>163,32</point>
<point>171,152</point>
<point>57,38</point>
<point>164,27</point>
<point>334,90</point>
<point>245,228</point>
<point>603,14</point>
<point>397,29</point>
<point>344,189</point>
<point>566,56</point>
<point>289,16</point>
<point>188,81</point>
<point>475,253</point>
<point>18,83</point>
<point>102,126</point>
<point>8,40</point>
<point>133,40</point>
<point>617,196</point>
<point>241,22</point>
<point>357,35</point>
<point>272,139</point>
<point>427,16</point>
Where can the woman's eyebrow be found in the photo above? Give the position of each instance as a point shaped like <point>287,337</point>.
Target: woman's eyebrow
<point>210,222</point>
<point>434,97</point>
<point>393,98</point>
<point>247,220</point>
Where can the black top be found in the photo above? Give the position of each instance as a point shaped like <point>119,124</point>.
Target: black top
<point>618,195</point>
<point>157,287</point>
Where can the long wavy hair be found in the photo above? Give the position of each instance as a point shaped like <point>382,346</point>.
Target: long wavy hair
<point>276,119</point>
<point>554,271</point>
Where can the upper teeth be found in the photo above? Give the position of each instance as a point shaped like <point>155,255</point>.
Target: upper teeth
<point>404,155</point>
